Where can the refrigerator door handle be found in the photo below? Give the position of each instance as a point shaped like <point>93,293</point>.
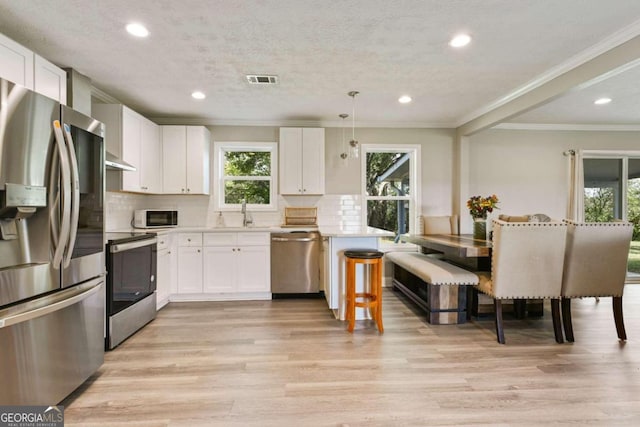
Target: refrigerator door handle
<point>64,194</point>
<point>54,200</point>
<point>60,300</point>
<point>75,195</point>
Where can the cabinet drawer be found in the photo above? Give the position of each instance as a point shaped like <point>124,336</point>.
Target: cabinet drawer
<point>220,239</point>
<point>163,241</point>
<point>253,239</point>
<point>190,239</point>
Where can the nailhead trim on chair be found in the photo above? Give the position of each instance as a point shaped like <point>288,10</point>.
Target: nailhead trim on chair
<point>526,224</point>
<point>529,224</point>
<point>598,224</point>
<point>523,224</point>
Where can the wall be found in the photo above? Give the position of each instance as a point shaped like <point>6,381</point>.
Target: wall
<point>340,206</point>
<point>527,170</point>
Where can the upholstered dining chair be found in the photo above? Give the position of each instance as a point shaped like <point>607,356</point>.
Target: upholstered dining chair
<point>595,265</point>
<point>526,263</point>
<point>446,224</point>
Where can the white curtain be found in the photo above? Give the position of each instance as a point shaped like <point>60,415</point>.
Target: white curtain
<point>575,177</point>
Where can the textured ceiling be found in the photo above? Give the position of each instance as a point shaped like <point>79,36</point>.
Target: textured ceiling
<point>319,49</point>
<point>577,107</point>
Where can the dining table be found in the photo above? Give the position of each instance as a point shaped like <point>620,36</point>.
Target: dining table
<point>475,255</point>
<point>460,249</point>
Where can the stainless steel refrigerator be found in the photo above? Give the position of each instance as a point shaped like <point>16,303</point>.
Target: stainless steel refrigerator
<point>52,261</point>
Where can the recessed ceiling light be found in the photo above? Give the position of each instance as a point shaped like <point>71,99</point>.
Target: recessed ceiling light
<point>198,95</point>
<point>404,99</point>
<point>460,40</point>
<point>602,101</point>
<point>137,30</point>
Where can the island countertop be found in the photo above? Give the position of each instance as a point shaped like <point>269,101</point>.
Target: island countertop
<point>354,232</point>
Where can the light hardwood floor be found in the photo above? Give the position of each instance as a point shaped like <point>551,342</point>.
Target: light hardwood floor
<point>289,363</point>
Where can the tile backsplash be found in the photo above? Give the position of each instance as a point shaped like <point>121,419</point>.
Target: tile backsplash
<point>334,210</point>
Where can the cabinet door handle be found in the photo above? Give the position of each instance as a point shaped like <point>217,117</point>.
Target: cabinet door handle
<point>198,250</point>
<point>238,249</point>
<point>182,190</point>
<point>188,190</point>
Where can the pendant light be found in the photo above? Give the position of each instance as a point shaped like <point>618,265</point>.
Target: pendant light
<point>354,147</point>
<point>343,147</point>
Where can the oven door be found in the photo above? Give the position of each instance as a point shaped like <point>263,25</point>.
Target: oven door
<point>131,273</point>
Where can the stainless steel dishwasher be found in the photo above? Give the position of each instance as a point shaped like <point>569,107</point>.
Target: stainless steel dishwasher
<point>295,262</point>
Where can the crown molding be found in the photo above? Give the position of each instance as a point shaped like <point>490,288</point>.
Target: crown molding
<point>568,127</point>
<point>103,97</point>
<point>623,35</point>
<point>203,121</point>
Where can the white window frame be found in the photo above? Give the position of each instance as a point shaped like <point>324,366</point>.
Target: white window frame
<point>415,176</point>
<point>578,180</point>
<point>219,179</point>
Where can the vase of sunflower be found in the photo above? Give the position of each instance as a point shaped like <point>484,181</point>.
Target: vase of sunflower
<point>479,208</point>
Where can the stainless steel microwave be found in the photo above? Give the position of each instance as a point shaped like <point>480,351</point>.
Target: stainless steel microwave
<point>155,218</point>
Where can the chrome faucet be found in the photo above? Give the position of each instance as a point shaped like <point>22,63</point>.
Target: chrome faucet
<point>246,216</point>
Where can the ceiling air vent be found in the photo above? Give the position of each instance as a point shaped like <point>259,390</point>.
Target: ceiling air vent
<point>262,80</point>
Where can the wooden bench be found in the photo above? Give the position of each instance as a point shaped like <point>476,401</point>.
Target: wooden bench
<point>440,288</point>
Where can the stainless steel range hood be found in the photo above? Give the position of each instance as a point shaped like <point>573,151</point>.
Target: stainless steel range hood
<point>113,162</point>
<point>79,98</point>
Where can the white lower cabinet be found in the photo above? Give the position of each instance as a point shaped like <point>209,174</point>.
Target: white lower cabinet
<point>224,266</point>
<point>219,269</point>
<point>254,269</point>
<point>189,270</point>
<point>165,269</point>
<point>190,263</point>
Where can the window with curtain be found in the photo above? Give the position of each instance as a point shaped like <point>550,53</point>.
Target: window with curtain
<point>609,191</point>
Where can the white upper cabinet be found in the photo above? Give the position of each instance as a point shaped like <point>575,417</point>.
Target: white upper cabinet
<point>185,159</point>
<point>16,62</point>
<point>301,161</point>
<point>20,65</point>
<point>136,140</point>
<point>49,80</point>
<point>150,158</point>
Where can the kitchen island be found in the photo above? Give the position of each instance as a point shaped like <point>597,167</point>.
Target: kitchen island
<point>334,242</point>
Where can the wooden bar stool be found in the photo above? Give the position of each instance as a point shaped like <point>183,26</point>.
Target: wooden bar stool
<point>371,299</point>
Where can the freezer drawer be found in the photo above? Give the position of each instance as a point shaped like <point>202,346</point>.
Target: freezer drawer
<point>51,345</point>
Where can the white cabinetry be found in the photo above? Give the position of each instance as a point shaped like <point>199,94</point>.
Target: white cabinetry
<point>301,161</point>
<point>136,140</point>
<point>20,65</point>
<point>150,158</point>
<point>190,263</point>
<point>49,80</point>
<point>185,159</point>
<point>16,62</point>
<point>237,262</point>
<point>165,269</point>
<point>224,266</point>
